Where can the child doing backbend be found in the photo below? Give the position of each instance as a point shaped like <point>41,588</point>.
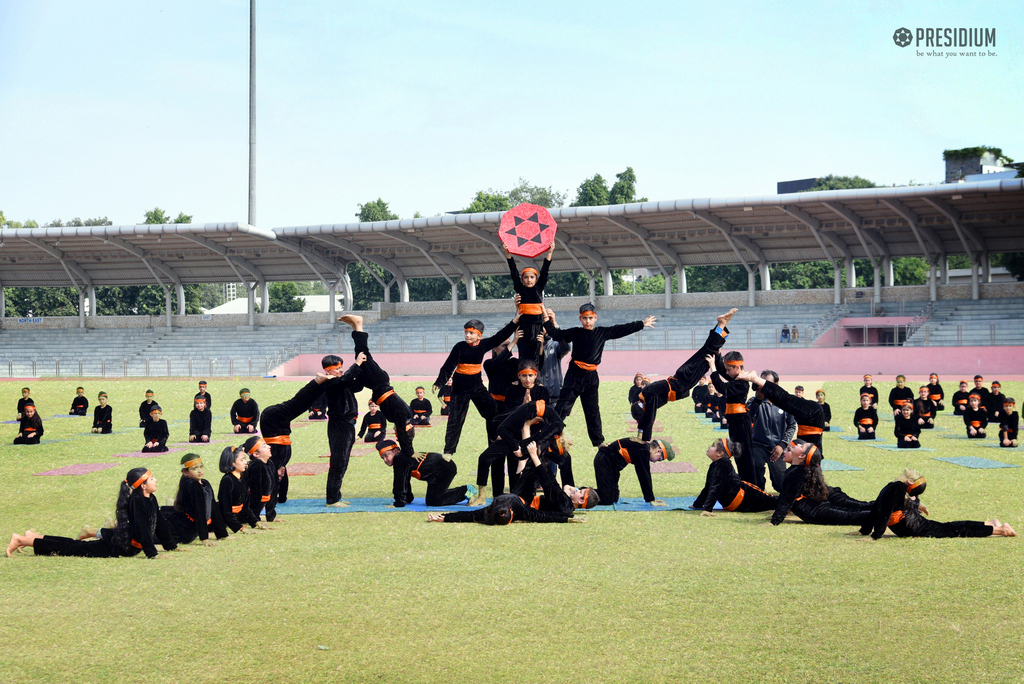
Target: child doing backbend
<point>138,520</point>
<point>723,485</point>
<point>805,493</point>
<point>232,497</point>
<point>899,508</point>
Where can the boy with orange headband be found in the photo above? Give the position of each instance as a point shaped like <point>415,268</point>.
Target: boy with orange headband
<point>1008,424</point>
<point>613,458</point>
<point>868,389</point>
<point>960,399</point>
<point>464,366</point>
<point>245,413</point>
<point>529,285</point>
<point>581,380</point>
<point>261,478</point>
<point>726,378</point>
<point>342,409</point>
<point>900,395</point>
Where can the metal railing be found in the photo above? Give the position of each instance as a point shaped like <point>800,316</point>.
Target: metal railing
<point>128,367</point>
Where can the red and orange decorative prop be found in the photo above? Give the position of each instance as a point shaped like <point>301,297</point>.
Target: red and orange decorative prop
<point>527,230</point>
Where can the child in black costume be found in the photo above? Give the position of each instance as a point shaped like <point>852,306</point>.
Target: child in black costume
<point>25,392</point>
<point>138,520</point>
<point>961,399</point>
<point>868,388</point>
<point>431,468</point>
<point>865,419</point>
<point>156,432</point>
<point>826,410</point>
<point>260,478</point>
<point>529,285</point>
<point>805,493</point>
<point>898,507</point>
<point>245,413</point>
<point>145,408</point>
<point>975,417</point>
<point>195,511</point>
<point>924,409</point>
<point>342,409</point>
<point>30,431</point>
<point>526,389</point>
<point>374,425</point>
<point>1008,424</point>
<point>907,431</point>
<point>232,496</point>
<point>79,405</point>
<point>722,484</point>
<point>199,421</point>
<point>613,458</point>
<point>900,394</point>
<point>421,409</point>
<point>102,416</point>
<point>935,392</point>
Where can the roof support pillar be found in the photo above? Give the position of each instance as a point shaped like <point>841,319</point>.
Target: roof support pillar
<point>750,285</point>
<point>975,289</point>
<point>470,288</point>
<point>851,272</point>
<point>877,298</point>
<point>332,299</point>
<point>346,288</point>
<point>986,267</point>
<point>167,306</point>
<point>944,265</point>
<point>250,295</point>
<point>90,292</point>
<point>681,280</point>
<point>403,290</point>
<point>180,289</point>
<point>606,278</point>
<point>81,307</point>
<point>766,276</point>
<point>265,296</point>
<point>3,302</point>
<point>837,278</point>
<point>932,289</point>
<point>455,296</point>
<point>888,272</point>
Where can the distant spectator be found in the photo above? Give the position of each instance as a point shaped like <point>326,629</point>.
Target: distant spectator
<point>795,335</point>
<point>784,336</point>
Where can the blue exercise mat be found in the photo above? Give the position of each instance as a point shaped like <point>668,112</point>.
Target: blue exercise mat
<point>672,503</point>
<point>826,464</point>
<point>975,462</point>
<point>834,428</point>
<point>893,447</point>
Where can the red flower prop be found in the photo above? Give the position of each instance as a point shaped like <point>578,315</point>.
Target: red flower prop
<point>527,230</point>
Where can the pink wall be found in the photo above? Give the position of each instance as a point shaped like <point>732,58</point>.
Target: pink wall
<point>803,361</point>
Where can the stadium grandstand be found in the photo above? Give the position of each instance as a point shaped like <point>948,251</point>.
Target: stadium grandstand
<point>934,222</point>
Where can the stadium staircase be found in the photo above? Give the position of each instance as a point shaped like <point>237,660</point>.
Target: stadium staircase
<point>964,322</point>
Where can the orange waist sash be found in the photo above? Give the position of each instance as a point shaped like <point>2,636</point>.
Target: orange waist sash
<point>735,408</point>
<point>469,368</point>
<point>586,366</point>
<point>244,419</point>
<point>237,509</point>
<point>280,439</point>
<point>532,309</point>
<point>735,503</point>
<point>895,518</point>
<point>802,430</point>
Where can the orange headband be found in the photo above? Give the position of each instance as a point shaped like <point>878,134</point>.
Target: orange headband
<point>735,364</point>
<point>188,464</point>
<point>810,453</point>
<point>915,483</point>
<point>866,395</point>
<point>256,446</point>
<point>334,367</point>
<point>530,269</point>
<point>588,313</point>
<point>145,476</point>
<point>380,452</point>
<point>585,497</point>
<point>867,377</point>
<point>725,445</point>
<point>528,370</point>
<point>478,332</point>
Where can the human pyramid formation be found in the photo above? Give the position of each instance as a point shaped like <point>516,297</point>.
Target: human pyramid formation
<point>527,435</point>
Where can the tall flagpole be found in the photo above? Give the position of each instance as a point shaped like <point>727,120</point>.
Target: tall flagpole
<point>252,112</point>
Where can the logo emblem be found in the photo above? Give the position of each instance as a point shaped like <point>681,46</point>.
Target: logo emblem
<point>902,37</point>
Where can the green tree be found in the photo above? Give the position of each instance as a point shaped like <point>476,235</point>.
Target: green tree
<point>535,194</point>
<point>831,182</point>
<point>624,190</point>
<point>284,298</point>
<point>1014,263</point>
<point>377,210</point>
<point>592,192</point>
<point>491,200</point>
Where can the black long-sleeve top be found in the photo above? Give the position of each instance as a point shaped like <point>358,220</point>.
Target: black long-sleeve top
<point>501,372</point>
<point>960,400</point>
<point>233,500</point>
<point>976,418</point>
<point>792,487</point>
<point>21,405</point>
<point>826,411</point>
<point>207,397</point>
<point>157,432</point>
<point>810,419</point>
<point>200,423</point>
<point>422,466</point>
<point>772,426</point>
<point>261,483</point>
<point>79,404</point>
<point>102,415</point>
<point>421,407</point>
<point>720,484</point>
<point>200,510</point>
<point>994,406</point>
<point>462,354</point>
<point>865,418</point>
<point>899,395</point>
<point>1008,424</point>
<point>626,451</point>
<point>340,394</point>
<point>700,396</point>
<point>510,429</point>
<point>981,392</point>
<point>935,393</point>
<point>144,408</point>
<point>529,295</point>
<point>520,513</point>
<point>634,393</point>
<point>33,424</point>
<point>553,500</point>
<point>145,521</point>
<point>588,345</point>
<point>873,391</point>
<point>906,426</point>
<point>516,395</point>
<point>924,408</point>
<point>735,391</point>
<point>245,409</point>
<point>373,421</point>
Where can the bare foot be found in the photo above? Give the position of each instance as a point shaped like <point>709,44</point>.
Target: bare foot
<point>87,533</point>
<point>339,504</point>
<point>355,321</point>
<point>17,541</point>
<point>1008,531</point>
<point>724,319</point>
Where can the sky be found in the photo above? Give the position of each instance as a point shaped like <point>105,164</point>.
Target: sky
<point>113,108</point>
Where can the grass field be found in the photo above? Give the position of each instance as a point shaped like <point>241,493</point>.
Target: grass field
<point>637,597</point>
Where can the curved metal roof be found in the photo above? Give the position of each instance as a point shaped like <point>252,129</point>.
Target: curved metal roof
<point>934,220</point>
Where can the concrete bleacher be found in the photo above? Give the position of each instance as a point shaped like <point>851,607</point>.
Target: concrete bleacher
<point>966,322</point>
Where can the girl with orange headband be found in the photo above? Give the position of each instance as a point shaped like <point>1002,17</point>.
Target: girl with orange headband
<point>529,285</point>
<point>722,484</point>
<point>195,510</point>
<point>806,494</point>
<point>900,395</point>
<point>810,418</point>
<point>138,520</point>
<point>899,508</point>
<point>869,389</point>
<point>865,419</point>
<point>260,478</point>
<point>935,392</point>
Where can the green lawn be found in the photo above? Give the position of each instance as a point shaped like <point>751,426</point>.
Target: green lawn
<point>637,597</point>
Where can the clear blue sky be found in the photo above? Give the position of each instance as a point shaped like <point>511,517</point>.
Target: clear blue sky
<point>112,108</point>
